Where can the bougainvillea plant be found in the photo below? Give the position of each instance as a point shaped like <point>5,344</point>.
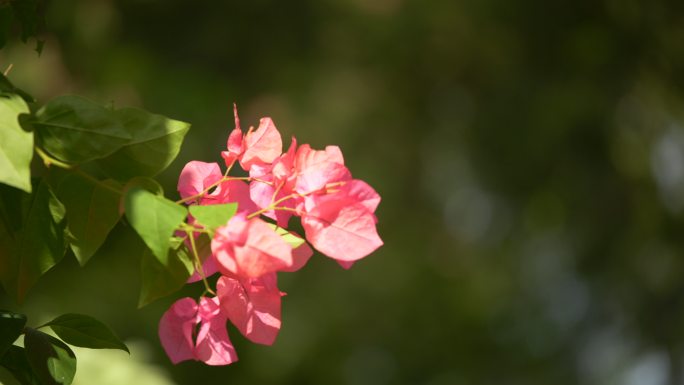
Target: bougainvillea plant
<point>94,169</point>
<point>246,220</point>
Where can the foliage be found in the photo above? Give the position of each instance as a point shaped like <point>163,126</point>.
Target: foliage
<point>44,359</point>
<point>73,202</point>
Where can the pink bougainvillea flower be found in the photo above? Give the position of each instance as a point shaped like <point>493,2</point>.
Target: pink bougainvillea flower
<point>341,228</point>
<point>250,248</point>
<point>211,345</point>
<point>196,176</point>
<point>252,305</point>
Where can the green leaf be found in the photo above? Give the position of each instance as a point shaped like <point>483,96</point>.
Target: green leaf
<point>148,184</point>
<point>51,359</point>
<point>8,87</point>
<point>16,362</point>
<point>76,130</point>
<point>16,145</point>
<point>30,14</point>
<point>10,220</point>
<point>213,216</point>
<point>11,326</point>
<point>159,280</point>
<point>6,17</point>
<point>154,218</point>
<point>86,332</point>
<point>292,239</point>
<point>92,211</point>
<point>38,244</point>
<point>155,143</point>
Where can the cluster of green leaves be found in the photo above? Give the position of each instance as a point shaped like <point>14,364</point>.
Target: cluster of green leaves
<point>97,164</point>
<point>98,159</point>
<point>93,169</point>
<point>44,359</point>
<point>28,14</point>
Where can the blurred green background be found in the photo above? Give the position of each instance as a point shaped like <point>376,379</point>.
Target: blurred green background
<point>530,156</point>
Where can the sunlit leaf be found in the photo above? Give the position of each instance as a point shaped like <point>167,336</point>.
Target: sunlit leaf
<point>154,218</point>
<point>213,216</point>
<point>155,142</point>
<point>16,144</point>
<point>293,240</point>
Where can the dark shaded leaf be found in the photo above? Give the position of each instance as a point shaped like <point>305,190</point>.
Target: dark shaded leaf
<point>30,14</point>
<point>51,359</point>
<point>85,331</point>
<point>38,244</point>
<point>76,130</point>
<point>16,362</point>
<point>92,211</point>
<point>11,327</point>
<point>155,142</point>
<point>159,280</point>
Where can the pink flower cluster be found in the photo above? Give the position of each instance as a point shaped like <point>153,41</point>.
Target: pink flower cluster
<point>336,211</point>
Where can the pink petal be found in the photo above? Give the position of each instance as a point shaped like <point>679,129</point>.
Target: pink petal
<point>209,268</point>
<point>175,330</point>
<point>253,306</point>
<point>250,248</point>
<point>343,230</point>
<point>213,345</point>
<point>263,145</point>
<point>315,169</point>
<point>283,167</point>
<point>346,264</point>
<point>197,176</point>
<point>300,256</point>
<point>361,192</point>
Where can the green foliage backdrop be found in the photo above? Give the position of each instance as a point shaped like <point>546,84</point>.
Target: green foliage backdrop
<point>530,156</point>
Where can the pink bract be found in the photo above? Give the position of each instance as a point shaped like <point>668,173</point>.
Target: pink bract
<point>315,169</point>
<point>196,176</point>
<point>252,305</point>
<point>212,345</point>
<point>250,248</point>
<point>262,146</point>
<point>341,229</point>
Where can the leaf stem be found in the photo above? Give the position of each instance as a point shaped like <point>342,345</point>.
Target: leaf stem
<point>198,263</point>
<point>48,160</point>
